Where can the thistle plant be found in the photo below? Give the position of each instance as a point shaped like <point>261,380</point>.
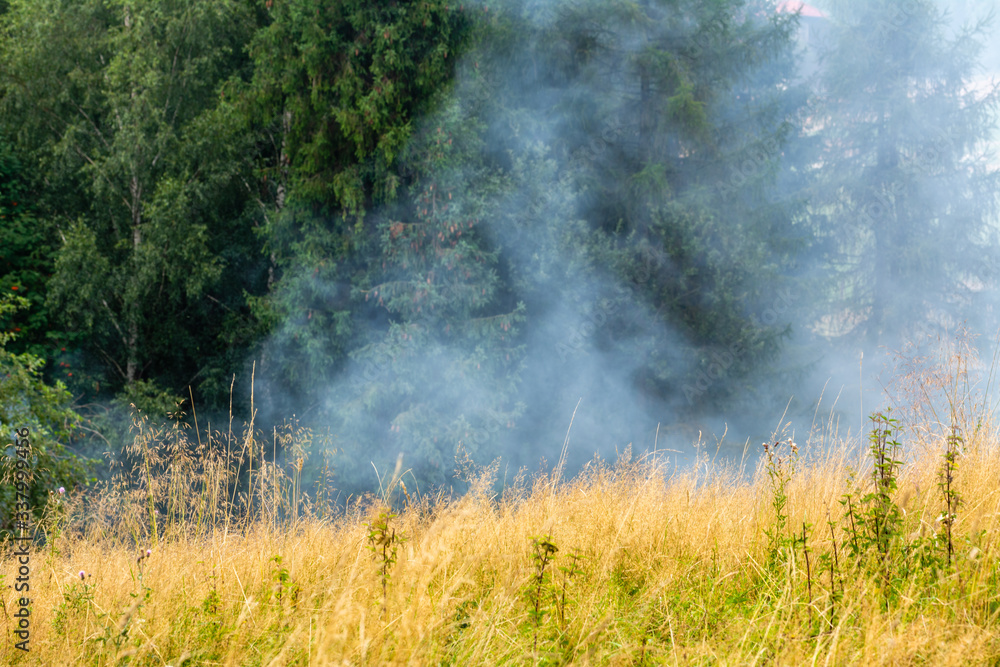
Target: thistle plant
<point>282,585</point>
<point>805,552</point>
<point>543,554</point>
<point>833,560</point>
<point>850,515</point>
<point>780,468</point>
<point>876,523</point>
<point>77,600</point>
<point>882,516</point>
<point>383,542</point>
<point>569,571</point>
<point>139,563</point>
<point>946,483</point>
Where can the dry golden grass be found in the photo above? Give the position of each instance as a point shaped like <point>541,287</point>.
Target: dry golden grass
<point>675,568</point>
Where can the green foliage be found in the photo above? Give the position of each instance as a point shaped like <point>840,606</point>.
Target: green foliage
<point>543,553</point>
<point>410,219</point>
<point>146,397</point>
<point>427,199</point>
<point>570,571</point>
<point>903,174</point>
<point>27,246</point>
<point>76,602</point>
<point>432,260</point>
<point>780,469</point>
<point>830,561</point>
<point>212,630</point>
<point>946,484</point>
<point>27,402</point>
<point>881,517</point>
<point>803,542</point>
<point>282,585</point>
<point>547,596</point>
<point>882,547</point>
<point>140,176</point>
<point>685,234</point>
<point>442,314</point>
<point>383,542</point>
<point>875,523</point>
<point>341,83</point>
<point>336,89</point>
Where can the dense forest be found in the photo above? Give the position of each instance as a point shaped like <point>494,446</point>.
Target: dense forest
<point>433,229</point>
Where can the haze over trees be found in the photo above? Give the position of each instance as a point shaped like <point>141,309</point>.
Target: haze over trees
<point>430,228</point>
<point>905,190</point>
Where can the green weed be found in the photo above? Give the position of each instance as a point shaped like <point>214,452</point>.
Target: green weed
<point>383,542</point>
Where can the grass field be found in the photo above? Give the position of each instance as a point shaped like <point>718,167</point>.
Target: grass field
<point>829,552</point>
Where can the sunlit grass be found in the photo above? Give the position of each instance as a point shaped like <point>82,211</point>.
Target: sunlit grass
<point>631,562</point>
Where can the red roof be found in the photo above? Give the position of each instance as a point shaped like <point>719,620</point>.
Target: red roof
<point>793,6</point>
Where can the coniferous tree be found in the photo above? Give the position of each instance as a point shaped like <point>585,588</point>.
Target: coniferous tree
<point>904,196</point>
<point>648,257</point>
<point>668,270</point>
<point>335,91</point>
<point>439,377</point>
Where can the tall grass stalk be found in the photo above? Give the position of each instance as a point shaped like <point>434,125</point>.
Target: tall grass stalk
<point>680,567</point>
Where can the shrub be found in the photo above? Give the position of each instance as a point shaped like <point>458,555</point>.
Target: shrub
<point>27,402</point>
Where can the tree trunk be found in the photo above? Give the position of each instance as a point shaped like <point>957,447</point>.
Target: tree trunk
<point>889,234</point>
<point>132,345</point>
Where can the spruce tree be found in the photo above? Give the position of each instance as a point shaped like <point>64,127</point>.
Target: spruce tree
<point>336,89</point>
<point>677,271</point>
<point>904,195</point>
<point>437,378</point>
